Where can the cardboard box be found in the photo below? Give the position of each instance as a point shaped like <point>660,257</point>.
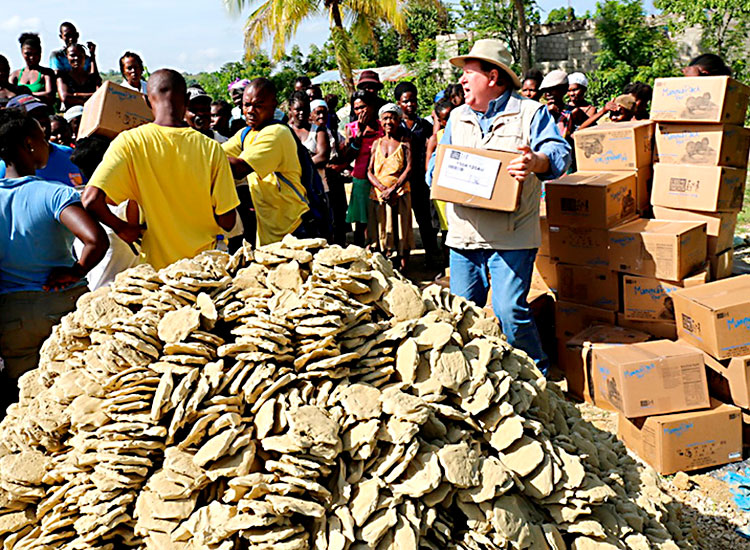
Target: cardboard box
<point>113,109</point>
<point>711,145</point>
<point>702,188</point>
<point>643,182</point>
<point>718,99</point>
<point>729,380</point>
<point>615,146</point>
<point>719,225</point>
<point>662,249</point>
<point>650,378</point>
<point>715,317</point>
<point>591,199</point>
<point>685,441</point>
<point>574,357</point>
<point>475,177</point>
<point>579,245</point>
<point>592,286</point>
<point>546,269</point>
<point>721,264</point>
<point>658,329</point>
<point>544,227</point>
<point>570,318</point>
<point>649,299</point>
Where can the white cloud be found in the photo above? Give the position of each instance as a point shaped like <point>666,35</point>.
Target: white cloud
<point>16,23</point>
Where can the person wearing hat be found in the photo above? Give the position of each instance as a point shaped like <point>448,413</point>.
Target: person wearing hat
<point>580,108</point>
<point>59,166</point>
<point>620,109</point>
<point>554,87</point>
<point>369,81</point>
<point>73,116</point>
<point>198,112</point>
<point>502,245</point>
<point>40,278</point>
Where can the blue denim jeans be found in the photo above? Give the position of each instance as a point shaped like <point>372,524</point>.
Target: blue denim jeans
<point>509,272</point>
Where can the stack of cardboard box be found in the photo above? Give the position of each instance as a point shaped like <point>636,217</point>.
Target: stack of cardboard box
<point>665,414</point>
<point>702,155</point>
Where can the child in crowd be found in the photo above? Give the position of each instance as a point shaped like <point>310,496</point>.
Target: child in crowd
<point>60,131</point>
<point>390,204</point>
<point>442,113</point>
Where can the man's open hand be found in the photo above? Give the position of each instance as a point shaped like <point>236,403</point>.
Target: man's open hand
<point>526,163</point>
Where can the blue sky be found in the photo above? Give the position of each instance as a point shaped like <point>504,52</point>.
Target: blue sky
<point>189,35</point>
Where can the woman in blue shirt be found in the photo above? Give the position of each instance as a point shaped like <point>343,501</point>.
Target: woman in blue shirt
<point>40,280</point>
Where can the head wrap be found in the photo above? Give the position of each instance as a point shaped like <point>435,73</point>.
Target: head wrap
<point>316,103</point>
<point>390,108</point>
<point>578,78</point>
<point>240,83</point>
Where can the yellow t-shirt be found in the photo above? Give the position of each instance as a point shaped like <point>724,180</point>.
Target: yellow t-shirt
<point>180,178</point>
<point>278,209</point>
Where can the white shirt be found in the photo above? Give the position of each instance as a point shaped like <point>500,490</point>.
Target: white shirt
<point>142,90</point>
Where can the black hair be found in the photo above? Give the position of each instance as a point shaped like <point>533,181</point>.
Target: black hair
<point>712,64</point>
<point>332,98</point>
<point>15,125</point>
<point>4,59</point>
<point>368,98</point>
<point>89,153</point>
<point>535,75</point>
<point>77,46</point>
<point>317,93</point>
<point>167,80</point>
<point>125,56</point>
<point>403,87</point>
<point>443,104</point>
<point>264,85</point>
<point>223,105</point>
<point>304,80</point>
<point>59,119</point>
<point>454,89</point>
<point>30,39</point>
<point>639,90</point>
<point>67,24</point>
<point>299,97</point>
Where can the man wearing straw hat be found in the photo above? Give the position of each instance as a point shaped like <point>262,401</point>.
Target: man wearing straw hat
<point>499,248</point>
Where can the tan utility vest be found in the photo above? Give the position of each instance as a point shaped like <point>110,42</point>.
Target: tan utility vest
<point>473,228</point>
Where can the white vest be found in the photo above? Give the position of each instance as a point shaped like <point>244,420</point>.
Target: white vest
<point>477,228</point>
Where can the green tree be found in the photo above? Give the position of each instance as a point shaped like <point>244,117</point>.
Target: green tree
<point>217,83</point>
<point>503,19</point>
<point>560,15</point>
<point>631,49</point>
<point>725,27</point>
<point>279,21</point>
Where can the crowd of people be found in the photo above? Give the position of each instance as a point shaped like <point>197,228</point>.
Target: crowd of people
<point>210,174</point>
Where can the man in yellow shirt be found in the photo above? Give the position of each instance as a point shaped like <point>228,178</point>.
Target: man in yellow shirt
<point>267,150</point>
<point>180,178</point>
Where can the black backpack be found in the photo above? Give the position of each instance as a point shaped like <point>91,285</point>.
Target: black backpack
<point>318,221</point>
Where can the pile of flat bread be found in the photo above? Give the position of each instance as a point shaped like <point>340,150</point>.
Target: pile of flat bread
<point>306,396</point>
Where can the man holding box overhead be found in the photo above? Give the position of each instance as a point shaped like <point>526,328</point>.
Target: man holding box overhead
<point>487,245</point>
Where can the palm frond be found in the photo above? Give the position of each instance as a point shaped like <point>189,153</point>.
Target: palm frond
<point>277,20</point>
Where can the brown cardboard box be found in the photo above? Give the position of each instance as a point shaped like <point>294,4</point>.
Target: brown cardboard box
<point>649,299</point>
<point>728,380</point>
<point>718,99</point>
<point>591,199</point>
<point>462,180</point>
<point>685,441</point>
<point>658,329</point>
<point>715,317</point>
<point>712,145</point>
<point>592,286</point>
<point>721,264</point>
<point>719,225</point>
<point>545,271</point>
<point>615,146</point>
<point>544,226</point>
<point>650,378</point>
<point>579,245</point>
<point>702,188</point>
<point>113,109</point>
<point>574,356</point>
<point>643,181</point>
<point>570,318</point>
<point>662,249</point>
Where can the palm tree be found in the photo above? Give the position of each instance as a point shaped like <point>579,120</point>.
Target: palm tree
<point>280,19</point>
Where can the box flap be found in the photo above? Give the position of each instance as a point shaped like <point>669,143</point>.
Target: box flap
<point>605,126</point>
<point>593,178</point>
<point>657,227</point>
<point>607,334</point>
<point>645,351</point>
<point>719,294</point>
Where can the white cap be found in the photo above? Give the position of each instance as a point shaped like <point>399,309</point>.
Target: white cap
<point>73,112</point>
<point>554,78</point>
<point>578,78</point>
<point>390,108</point>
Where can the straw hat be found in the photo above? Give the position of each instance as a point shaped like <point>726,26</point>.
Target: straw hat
<point>492,51</point>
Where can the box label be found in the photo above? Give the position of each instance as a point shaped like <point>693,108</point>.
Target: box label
<point>469,173</point>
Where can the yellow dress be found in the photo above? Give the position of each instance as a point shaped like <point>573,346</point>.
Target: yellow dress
<point>388,169</point>
<point>440,205</point>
